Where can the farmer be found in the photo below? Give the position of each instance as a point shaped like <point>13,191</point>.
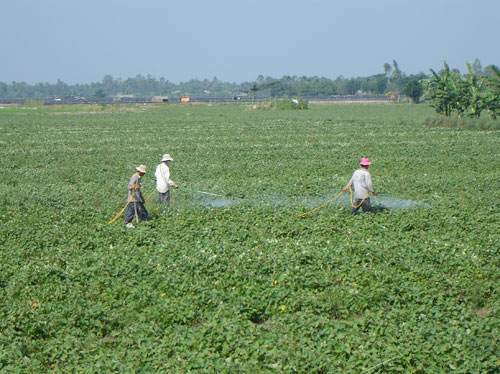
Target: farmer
<point>135,207</point>
<point>361,180</point>
<point>163,181</point>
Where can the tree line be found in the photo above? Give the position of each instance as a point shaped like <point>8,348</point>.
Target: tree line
<point>393,81</point>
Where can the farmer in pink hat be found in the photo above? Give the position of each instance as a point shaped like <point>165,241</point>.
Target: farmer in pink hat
<point>361,181</point>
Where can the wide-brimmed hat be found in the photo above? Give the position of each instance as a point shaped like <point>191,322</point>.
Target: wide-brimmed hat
<point>166,157</point>
<point>365,161</point>
<point>141,169</point>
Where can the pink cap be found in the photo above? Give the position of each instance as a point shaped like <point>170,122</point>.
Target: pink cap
<point>365,161</point>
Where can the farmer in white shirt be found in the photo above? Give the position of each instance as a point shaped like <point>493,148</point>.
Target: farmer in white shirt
<point>163,181</point>
<point>361,181</point>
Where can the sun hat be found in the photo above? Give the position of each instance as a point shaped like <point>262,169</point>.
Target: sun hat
<point>365,161</point>
<point>141,169</point>
<point>166,157</point>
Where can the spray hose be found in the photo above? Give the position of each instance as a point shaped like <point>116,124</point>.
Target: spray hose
<point>333,199</point>
<point>130,200</point>
<point>212,194</point>
<point>126,205</point>
<point>121,211</point>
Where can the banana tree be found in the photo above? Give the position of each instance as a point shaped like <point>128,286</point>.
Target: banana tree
<point>441,89</point>
<point>467,95</point>
<point>491,94</point>
<point>473,89</point>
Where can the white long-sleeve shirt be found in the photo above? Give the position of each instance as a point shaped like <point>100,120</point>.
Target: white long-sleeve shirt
<point>361,180</point>
<point>162,175</point>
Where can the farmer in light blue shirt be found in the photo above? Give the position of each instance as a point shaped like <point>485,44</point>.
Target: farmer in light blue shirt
<point>135,200</point>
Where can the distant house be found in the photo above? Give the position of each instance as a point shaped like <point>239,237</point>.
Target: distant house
<point>159,99</point>
<point>185,99</point>
<point>122,96</point>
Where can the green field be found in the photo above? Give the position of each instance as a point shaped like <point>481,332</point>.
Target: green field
<point>240,284</point>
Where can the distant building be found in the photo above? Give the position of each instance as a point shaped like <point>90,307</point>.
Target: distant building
<point>159,99</point>
<point>122,96</point>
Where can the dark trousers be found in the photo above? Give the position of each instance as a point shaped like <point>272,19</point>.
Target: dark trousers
<point>142,213</point>
<point>164,197</point>
<point>366,206</point>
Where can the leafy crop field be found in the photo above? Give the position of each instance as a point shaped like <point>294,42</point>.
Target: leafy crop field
<point>240,284</point>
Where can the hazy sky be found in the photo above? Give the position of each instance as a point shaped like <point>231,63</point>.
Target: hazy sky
<point>81,41</point>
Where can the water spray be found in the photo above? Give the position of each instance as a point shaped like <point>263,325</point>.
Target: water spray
<point>221,200</point>
<point>202,192</point>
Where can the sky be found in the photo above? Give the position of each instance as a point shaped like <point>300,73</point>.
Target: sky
<point>81,41</point>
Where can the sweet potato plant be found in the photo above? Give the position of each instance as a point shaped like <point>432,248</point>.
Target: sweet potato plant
<point>247,287</point>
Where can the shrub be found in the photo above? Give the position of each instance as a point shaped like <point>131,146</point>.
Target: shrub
<point>463,123</point>
<point>286,104</point>
<point>33,103</point>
